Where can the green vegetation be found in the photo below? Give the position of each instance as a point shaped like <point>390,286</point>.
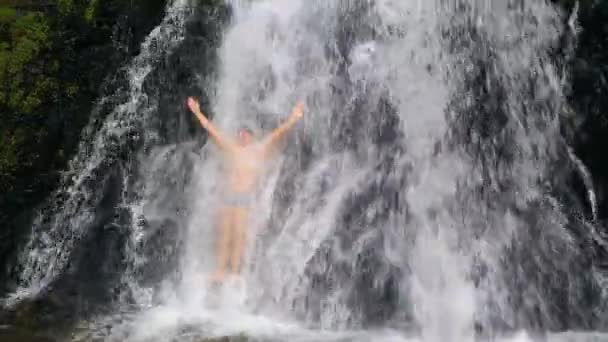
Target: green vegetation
<point>32,51</point>
<point>24,85</point>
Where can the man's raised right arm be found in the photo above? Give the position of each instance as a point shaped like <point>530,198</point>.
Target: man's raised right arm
<point>214,133</point>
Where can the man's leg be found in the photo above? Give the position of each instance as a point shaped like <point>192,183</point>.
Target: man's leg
<point>239,238</point>
<point>224,237</point>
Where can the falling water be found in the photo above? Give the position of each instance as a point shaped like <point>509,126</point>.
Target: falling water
<point>380,184</point>
<point>415,198</point>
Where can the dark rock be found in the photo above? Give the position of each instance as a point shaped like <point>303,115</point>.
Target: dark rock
<point>82,61</point>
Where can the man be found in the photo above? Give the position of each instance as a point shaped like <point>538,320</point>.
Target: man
<point>244,161</point>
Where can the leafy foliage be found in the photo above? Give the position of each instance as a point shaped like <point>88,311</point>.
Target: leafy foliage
<point>24,85</point>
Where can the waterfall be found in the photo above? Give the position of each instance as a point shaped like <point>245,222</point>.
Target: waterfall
<point>417,195</point>
<point>426,159</point>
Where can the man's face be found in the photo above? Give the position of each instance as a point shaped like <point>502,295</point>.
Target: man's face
<point>245,137</point>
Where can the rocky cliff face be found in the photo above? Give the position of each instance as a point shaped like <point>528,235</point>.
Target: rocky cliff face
<point>589,94</point>
<point>56,59</point>
<point>67,56</point>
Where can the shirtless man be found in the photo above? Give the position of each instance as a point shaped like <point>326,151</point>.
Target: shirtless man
<point>244,160</point>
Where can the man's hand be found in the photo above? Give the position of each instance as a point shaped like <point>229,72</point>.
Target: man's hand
<point>214,133</point>
<point>298,110</point>
<point>194,105</point>
<point>272,140</point>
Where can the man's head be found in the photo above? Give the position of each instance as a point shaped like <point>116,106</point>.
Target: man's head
<point>245,136</point>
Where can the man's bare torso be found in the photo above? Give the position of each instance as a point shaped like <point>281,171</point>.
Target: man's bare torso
<point>243,167</point>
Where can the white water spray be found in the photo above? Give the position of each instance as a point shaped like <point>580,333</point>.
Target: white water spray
<point>56,230</point>
<point>275,54</point>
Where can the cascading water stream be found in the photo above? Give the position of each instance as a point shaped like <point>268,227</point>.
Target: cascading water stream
<point>274,54</point>
<point>415,195</point>
<point>377,84</point>
<point>72,207</point>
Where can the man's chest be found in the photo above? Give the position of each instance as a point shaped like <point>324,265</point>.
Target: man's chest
<point>245,161</point>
